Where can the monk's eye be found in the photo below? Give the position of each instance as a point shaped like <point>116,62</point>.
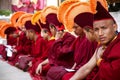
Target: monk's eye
<point>104,27</point>
<point>96,29</point>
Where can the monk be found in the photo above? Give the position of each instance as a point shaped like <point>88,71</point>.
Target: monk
<point>24,46</point>
<point>85,44</point>
<point>107,56</point>
<point>11,37</point>
<point>46,33</point>
<point>38,45</point>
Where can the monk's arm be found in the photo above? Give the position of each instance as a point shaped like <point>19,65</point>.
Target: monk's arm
<point>44,62</point>
<point>85,70</point>
<point>39,68</point>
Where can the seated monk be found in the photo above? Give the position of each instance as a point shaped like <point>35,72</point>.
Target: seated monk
<point>107,56</point>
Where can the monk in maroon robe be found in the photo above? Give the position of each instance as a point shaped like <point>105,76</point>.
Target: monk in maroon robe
<point>46,30</point>
<point>107,56</point>
<point>38,45</point>
<point>60,57</point>
<point>85,44</point>
<point>23,47</point>
<point>11,39</point>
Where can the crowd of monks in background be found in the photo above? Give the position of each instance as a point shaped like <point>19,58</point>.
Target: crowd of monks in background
<point>75,41</point>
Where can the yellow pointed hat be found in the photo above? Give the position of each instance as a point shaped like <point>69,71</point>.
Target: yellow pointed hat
<point>36,17</point>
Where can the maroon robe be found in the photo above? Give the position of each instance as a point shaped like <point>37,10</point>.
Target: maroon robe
<point>83,51</point>
<point>109,68</point>
<point>38,47</point>
<point>60,57</point>
<point>3,52</point>
<point>11,41</point>
<point>23,47</point>
<point>42,58</point>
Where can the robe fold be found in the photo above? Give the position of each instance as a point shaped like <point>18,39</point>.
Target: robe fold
<point>42,58</point>
<point>60,57</point>
<point>83,50</point>
<point>37,48</point>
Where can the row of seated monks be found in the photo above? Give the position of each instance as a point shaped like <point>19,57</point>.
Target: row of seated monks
<point>76,41</point>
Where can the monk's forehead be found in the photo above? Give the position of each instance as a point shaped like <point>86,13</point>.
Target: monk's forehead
<point>102,22</point>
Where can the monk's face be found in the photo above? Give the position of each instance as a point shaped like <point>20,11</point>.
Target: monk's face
<point>29,34</point>
<point>105,31</point>
<point>77,30</point>
<point>53,30</point>
<point>45,33</point>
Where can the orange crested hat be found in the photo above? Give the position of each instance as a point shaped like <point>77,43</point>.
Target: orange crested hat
<point>80,13</point>
<point>22,20</point>
<point>36,20</point>
<point>2,22</point>
<point>46,11</point>
<point>16,16</point>
<point>36,17</point>
<point>63,7</point>
<point>6,29</point>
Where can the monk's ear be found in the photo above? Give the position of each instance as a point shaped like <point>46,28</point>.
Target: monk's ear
<point>115,27</point>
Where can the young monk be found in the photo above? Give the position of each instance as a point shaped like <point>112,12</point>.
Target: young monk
<point>107,56</point>
<point>46,34</point>
<point>10,31</point>
<point>38,45</point>
<point>85,44</point>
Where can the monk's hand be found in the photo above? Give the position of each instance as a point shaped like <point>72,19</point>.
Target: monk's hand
<point>30,63</point>
<point>39,69</point>
<point>14,50</point>
<point>99,52</point>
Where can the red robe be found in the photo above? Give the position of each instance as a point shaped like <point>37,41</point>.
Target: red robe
<point>42,58</point>
<point>23,47</point>
<point>60,57</point>
<point>38,47</point>
<point>109,68</point>
<point>3,52</point>
<point>83,51</point>
<point>12,42</point>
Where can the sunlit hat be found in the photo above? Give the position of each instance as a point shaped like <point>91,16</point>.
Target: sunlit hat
<point>36,17</point>
<point>2,22</point>
<point>22,20</point>
<point>46,11</point>
<point>80,13</point>
<point>63,7</point>
<point>7,29</point>
<point>16,16</point>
